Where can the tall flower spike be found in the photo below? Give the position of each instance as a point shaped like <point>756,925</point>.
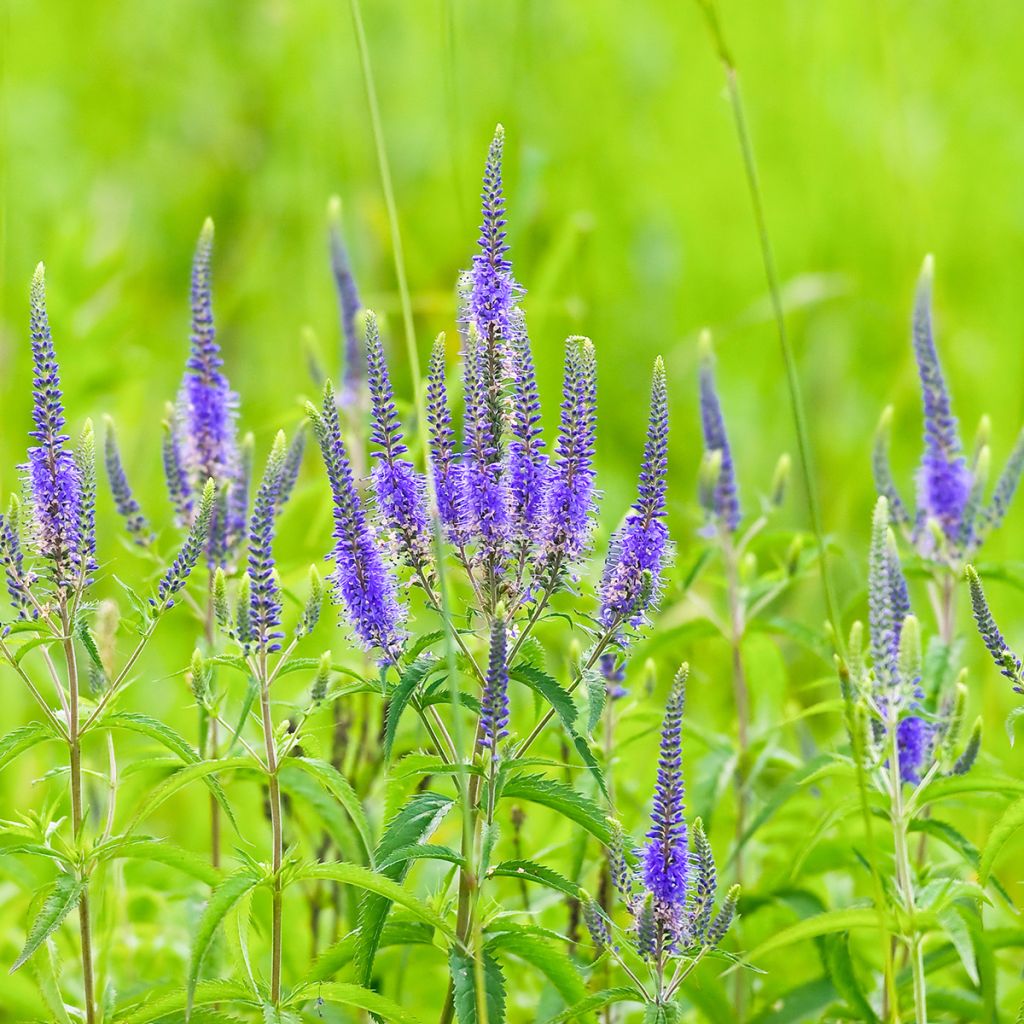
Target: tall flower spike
<point>85,460</point>
<point>883,628</point>
<point>446,471</point>
<point>124,500</point>
<point>206,413</point>
<point>632,573</point>
<point>13,561</point>
<point>292,465</point>
<point>485,494</point>
<point>943,480</point>
<point>265,593</point>
<point>725,507</point>
<point>348,307</point>
<point>1006,661</point>
<point>705,883</point>
<point>570,498</point>
<point>491,305</point>
<point>1006,486</point>
<point>494,704</point>
<point>666,856</point>
<point>361,580</point>
<point>884,483</point>
<point>397,485</point>
<point>54,477</point>
<point>527,463</point>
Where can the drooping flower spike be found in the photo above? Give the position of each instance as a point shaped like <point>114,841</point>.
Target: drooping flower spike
<point>361,581</point>
<point>631,581</point>
<point>951,519</point>
<point>54,476</point>
<point>124,499</point>
<point>720,496</point>
<point>348,308</point>
<point>399,489</point>
<point>1008,663</point>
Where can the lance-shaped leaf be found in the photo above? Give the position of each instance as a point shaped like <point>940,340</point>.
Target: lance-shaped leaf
<point>402,695</point>
<point>464,986</point>
<point>63,898</point>
<point>561,798</point>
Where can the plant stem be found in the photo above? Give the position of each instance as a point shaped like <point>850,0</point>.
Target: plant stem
<point>392,208</point>
<point>212,737</point>
<point>904,878</point>
<point>278,835</point>
<point>75,752</point>
<point>796,402</point>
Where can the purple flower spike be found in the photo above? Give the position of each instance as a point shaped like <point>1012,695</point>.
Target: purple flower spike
<point>632,573</point>
<point>494,712</point>
<point>1006,661</point>
<point>13,561</point>
<point>527,464</point>
<point>447,472</point>
<point>124,500</point>
<point>361,580</point>
<point>204,446</point>
<point>724,505</point>
<point>571,499</point>
<point>348,306</point>
<point>944,479</point>
<point>398,487</point>
<point>913,740</point>
<point>197,539</point>
<point>485,491</point>
<point>54,477</point>
<point>493,294</point>
<point>666,856</point>
<point>264,592</point>
<point>887,602</point>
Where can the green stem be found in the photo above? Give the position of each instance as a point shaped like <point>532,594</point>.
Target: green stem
<point>392,208</point>
<point>768,259</point>
<point>278,834</point>
<point>77,817</point>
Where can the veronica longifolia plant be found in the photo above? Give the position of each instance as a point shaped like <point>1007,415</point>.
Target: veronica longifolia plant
<point>954,512</point>
<point>49,557</point>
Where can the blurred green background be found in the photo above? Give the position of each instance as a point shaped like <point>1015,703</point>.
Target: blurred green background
<point>884,130</point>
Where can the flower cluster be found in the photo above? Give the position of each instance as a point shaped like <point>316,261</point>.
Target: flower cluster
<point>671,893</point>
<point>952,517</point>
<point>718,493</point>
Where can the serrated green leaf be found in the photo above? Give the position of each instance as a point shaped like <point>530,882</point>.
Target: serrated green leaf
<point>17,741</point>
<point>839,966</point>
<point>158,851</point>
<point>424,851</point>
<point>63,898</point>
<point>959,934</point>
<point>597,697</point>
<point>597,1001</point>
<point>402,695</point>
<point>464,986</point>
<point>561,798</point>
<point>414,823</point>
<point>220,903</point>
<point>345,994</point>
<point>822,924</point>
<point>1011,820</point>
<point>538,873</point>
<point>338,786</point>
<point>157,1007</point>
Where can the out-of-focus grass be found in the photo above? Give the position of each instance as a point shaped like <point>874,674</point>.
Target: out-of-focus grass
<point>883,130</point>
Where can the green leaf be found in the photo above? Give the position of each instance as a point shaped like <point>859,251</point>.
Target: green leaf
<point>173,741</point>
<point>63,898</point>
<point>181,778</point>
<point>839,966</point>
<point>1011,820</point>
<point>424,851</point>
<point>362,998</point>
<point>531,872</point>
<point>153,1008</point>
<point>597,697</point>
<point>338,786</point>
<point>662,1013</point>
<point>464,985</point>
<point>381,885</point>
<point>415,823</point>
<point>531,946</point>
<point>342,952</point>
<point>597,1001</point>
<point>17,741</point>
<point>561,798</point>
<point>959,934</point>
<point>402,695</point>
<point>822,924</point>
<point>158,851</point>
<point>304,789</point>
<point>221,901</point>
<point>563,706</point>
